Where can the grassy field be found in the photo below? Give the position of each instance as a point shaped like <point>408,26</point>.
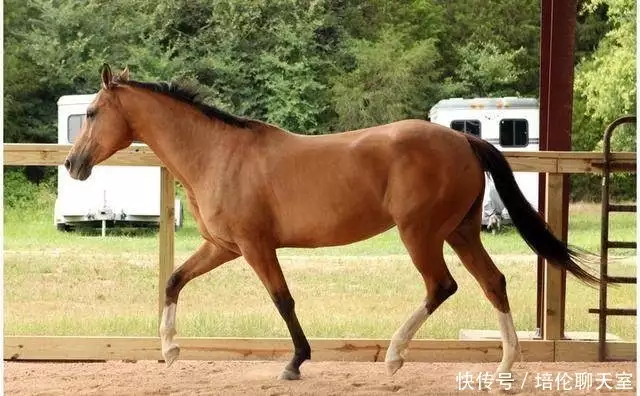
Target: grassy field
<point>82,284</point>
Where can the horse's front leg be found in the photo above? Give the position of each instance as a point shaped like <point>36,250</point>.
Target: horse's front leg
<point>265,263</point>
<point>206,258</point>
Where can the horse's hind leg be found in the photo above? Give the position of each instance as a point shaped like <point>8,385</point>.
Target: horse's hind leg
<point>465,240</point>
<point>426,254</point>
<point>206,258</point>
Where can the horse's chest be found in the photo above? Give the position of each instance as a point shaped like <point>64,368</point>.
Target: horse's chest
<point>224,219</point>
<point>214,227</point>
<point>207,215</point>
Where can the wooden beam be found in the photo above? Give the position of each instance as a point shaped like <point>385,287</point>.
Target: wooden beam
<point>477,334</point>
<point>553,323</point>
<point>148,348</point>
<point>587,162</point>
<point>55,154</point>
<point>587,351</point>
<point>521,161</point>
<point>166,234</point>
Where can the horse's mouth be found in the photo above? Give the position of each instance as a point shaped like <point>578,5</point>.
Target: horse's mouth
<point>81,173</point>
<point>79,170</point>
<point>79,166</point>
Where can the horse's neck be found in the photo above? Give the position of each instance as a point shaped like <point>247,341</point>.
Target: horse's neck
<point>186,144</point>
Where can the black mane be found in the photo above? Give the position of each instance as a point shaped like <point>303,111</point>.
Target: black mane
<point>192,96</point>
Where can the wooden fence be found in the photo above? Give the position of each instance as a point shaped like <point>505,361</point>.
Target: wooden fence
<point>553,346</point>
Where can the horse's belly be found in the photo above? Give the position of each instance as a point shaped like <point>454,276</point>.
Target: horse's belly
<point>320,225</point>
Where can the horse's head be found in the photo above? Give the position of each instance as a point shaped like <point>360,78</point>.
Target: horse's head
<point>104,130</point>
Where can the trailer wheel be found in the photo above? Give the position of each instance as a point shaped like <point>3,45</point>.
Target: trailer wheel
<point>64,227</point>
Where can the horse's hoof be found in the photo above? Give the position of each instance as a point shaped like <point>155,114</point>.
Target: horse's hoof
<point>394,365</point>
<point>171,354</point>
<point>289,375</point>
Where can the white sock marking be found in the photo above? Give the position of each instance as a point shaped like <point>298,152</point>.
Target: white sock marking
<point>400,340</point>
<point>510,346</point>
<point>168,325</point>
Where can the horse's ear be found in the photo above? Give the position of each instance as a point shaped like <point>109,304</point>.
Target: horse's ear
<point>124,75</point>
<point>107,77</point>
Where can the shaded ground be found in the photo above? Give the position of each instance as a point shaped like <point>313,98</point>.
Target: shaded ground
<point>319,378</point>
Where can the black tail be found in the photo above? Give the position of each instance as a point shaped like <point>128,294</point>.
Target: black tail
<point>531,226</point>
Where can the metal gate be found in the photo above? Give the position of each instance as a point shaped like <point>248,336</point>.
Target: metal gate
<point>605,244</point>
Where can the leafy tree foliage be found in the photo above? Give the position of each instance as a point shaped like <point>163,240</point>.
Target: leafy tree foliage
<point>605,88</point>
<point>606,78</point>
<point>313,66</point>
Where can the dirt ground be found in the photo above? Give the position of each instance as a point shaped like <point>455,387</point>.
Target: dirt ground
<point>318,378</point>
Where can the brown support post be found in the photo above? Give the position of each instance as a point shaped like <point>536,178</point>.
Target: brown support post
<point>545,17</point>
<point>166,234</point>
<point>557,42</point>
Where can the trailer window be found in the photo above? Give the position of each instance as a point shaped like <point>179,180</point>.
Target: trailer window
<point>514,133</point>
<point>74,123</point>
<point>468,126</point>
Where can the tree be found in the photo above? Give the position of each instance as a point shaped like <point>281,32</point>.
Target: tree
<point>605,88</point>
<point>312,66</point>
<point>255,58</point>
<point>387,83</point>
<point>485,70</point>
<point>478,37</point>
<point>55,48</point>
<point>388,63</point>
<point>605,80</point>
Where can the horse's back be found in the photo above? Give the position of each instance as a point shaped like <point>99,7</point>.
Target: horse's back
<point>340,188</point>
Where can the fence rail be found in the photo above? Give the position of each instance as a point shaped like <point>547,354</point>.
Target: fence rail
<point>524,161</point>
<point>552,348</point>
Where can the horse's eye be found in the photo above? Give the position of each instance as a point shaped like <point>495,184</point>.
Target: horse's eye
<point>91,113</point>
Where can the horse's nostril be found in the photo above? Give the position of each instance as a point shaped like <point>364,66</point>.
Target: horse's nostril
<point>67,164</point>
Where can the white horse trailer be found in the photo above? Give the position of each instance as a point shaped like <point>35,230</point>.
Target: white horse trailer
<point>510,124</point>
<point>112,195</point>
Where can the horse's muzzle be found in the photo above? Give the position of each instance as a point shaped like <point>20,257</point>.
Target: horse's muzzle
<point>79,166</point>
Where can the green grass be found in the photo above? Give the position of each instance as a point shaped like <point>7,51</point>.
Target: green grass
<point>81,284</point>
<point>335,297</point>
<point>32,229</point>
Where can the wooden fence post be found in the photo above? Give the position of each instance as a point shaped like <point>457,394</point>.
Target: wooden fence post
<point>555,278</point>
<point>166,234</point>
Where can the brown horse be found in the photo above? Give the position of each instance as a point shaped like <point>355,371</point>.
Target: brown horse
<point>253,188</point>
